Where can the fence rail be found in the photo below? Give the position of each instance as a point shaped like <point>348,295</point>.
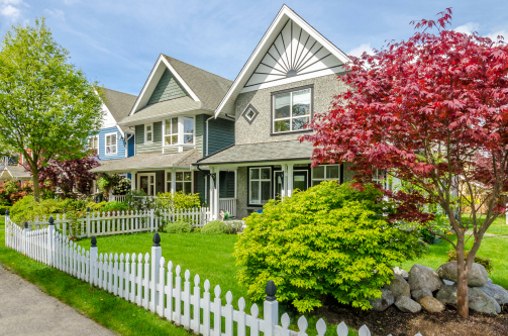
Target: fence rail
<point>119,222</point>
<point>150,282</point>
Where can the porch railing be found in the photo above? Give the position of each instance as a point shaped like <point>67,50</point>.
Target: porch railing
<point>229,205</point>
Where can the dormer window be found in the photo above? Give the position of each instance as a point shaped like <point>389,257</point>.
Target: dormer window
<point>179,131</point>
<point>148,132</point>
<point>291,110</point>
<point>110,144</point>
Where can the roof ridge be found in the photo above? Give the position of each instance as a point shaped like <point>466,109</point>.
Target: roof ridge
<point>198,68</point>
<point>125,93</point>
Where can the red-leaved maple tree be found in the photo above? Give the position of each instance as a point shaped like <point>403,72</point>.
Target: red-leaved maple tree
<point>433,111</point>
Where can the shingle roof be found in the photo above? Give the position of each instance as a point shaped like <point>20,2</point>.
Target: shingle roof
<point>164,108</point>
<point>14,172</point>
<point>210,88</point>
<point>261,152</point>
<point>118,103</point>
<point>148,161</point>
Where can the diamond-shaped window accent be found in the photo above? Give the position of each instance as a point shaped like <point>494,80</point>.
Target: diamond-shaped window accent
<point>250,113</point>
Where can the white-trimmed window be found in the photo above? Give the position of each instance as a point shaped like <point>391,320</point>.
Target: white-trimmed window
<point>260,185</point>
<point>179,131</point>
<point>183,181</point>
<point>93,144</point>
<point>148,132</point>
<point>325,173</point>
<point>111,145</point>
<point>291,110</point>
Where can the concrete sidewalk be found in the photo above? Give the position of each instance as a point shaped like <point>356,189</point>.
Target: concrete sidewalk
<point>25,310</point>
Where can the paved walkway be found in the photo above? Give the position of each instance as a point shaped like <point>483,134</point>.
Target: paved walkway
<point>25,310</point>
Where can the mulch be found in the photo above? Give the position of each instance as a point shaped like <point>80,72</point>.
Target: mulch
<point>393,321</point>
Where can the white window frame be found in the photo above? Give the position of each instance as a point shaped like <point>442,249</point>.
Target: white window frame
<point>106,136</point>
<point>259,181</point>
<point>290,118</point>
<point>154,184</point>
<point>93,143</point>
<point>148,131</point>
<point>180,134</point>
<point>316,181</point>
<point>191,182</point>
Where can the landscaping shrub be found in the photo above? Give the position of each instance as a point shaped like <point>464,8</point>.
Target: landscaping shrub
<point>114,206</point>
<point>137,201</point>
<point>180,226</point>
<point>215,227</point>
<point>486,262</point>
<point>178,200</point>
<point>328,241</point>
<point>27,209</point>
<point>123,187</point>
<point>4,208</point>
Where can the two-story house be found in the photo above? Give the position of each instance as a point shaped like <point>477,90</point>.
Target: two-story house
<point>291,74</point>
<point>174,126</point>
<point>113,142</point>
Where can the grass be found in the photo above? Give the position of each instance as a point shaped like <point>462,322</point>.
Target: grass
<point>106,309</point>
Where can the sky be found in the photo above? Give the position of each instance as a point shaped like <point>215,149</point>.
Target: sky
<point>116,42</point>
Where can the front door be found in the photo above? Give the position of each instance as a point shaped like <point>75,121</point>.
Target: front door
<point>300,180</point>
<point>146,182</point>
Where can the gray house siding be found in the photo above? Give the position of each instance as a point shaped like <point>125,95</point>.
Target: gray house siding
<point>221,134</point>
<point>156,145</point>
<point>167,88</point>
<point>200,137</point>
<point>260,129</point>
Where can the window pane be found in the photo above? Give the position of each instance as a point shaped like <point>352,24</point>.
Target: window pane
<point>301,102</point>
<point>332,172</point>
<point>167,126</point>
<point>299,123</point>
<point>188,139</point>
<point>282,102</point>
<point>265,173</point>
<point>188,125</point>
<point>149,136</point>
<point>174,125</point>
<point>179,176</point>
<point>187,187</point>
<point>254,173</point>
<point>281,126</point>
<point>254,192</point>
<point>187,176</point>
<point>179,186</point>
<point>318,172</point>
<point>265,191</point>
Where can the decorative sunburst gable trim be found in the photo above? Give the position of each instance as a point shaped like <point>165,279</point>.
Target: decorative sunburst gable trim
<point>278,60</point>
<point>153,79</point>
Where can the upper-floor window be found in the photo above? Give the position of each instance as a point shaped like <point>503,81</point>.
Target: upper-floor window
<point>291,110</point>
<point>93,144</point>
<point>325,173</point>
<point>148,132</point>
<point>179,131</point>
<point>110,144</point>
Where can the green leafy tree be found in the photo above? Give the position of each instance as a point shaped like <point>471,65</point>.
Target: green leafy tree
<point>47,106</point>
<point>330,241</point>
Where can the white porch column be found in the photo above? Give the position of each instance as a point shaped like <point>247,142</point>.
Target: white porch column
<point>290,180</point>
<point>173,180</point>
<point>133,180</point>
<point>283,192</point>
<point>214,192</point>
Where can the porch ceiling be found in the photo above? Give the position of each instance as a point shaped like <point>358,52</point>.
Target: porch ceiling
<point>261,152</point>
<point>148,161</point>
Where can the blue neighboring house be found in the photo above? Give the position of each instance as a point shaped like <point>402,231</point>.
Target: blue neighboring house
<point>113,142</point>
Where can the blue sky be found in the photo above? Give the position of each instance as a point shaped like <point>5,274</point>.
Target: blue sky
<point>117,42</point>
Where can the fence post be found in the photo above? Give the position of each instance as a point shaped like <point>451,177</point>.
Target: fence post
<point>156,257</point>
<point>94,254</point>
<point>8,238</point>
<point>25,238</point>
<point>51,240</point>
<point>271,309</point>
<point>88,222</point>
<point>152,221</point>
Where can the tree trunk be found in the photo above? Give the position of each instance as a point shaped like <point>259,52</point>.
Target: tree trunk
<point>35,180</point>
<point>462,273</point>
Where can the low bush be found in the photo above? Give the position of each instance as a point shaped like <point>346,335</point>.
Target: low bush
<point>178,200</point>
<point>4,208</point>
<point>215,227</point>
<point>330,241</point>
<point>178,227</point>
<point>486,262</point>
<point>114,206</point>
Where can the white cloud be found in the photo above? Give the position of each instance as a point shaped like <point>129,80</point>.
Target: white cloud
<point>358,51</point>
<point>11,2</point>
<point>493,36</point>
<point>468,28</point>
<point>11,9</point>
<point>55,13</point>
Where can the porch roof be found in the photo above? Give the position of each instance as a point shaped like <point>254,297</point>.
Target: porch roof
<point>149,161</point>
<point>261,152</point>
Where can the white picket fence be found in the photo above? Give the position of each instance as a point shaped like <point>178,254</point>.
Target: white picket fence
<point>119,222</point>
<point>148,281</point>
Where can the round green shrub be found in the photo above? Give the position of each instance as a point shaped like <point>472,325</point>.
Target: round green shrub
<point>330,241</point>
<point>215,227</point>
<point>114,206</point>
<point>178,227</point>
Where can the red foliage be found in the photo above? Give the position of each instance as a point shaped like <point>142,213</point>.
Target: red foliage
<point>428,109</point>
<point>70,174</point>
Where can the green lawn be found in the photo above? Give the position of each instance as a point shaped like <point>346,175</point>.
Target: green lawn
<point>108,310</point>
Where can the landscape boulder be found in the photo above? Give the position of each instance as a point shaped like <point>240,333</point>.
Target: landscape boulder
<point>448,295</point>
<point>385,301</point>
<point>431,304</point>
<point>417,294</point>
<point>399,287</point>
<point>496,292</point>
<point>422,277</point>
<point>477,276</point>
<point>399,271</point>
<point>407,305</point>
<point>482,303</point>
